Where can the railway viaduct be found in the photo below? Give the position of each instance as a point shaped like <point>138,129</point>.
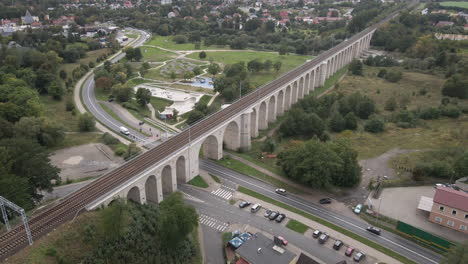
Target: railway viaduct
<point>235,131</point>
<point>149,176</point>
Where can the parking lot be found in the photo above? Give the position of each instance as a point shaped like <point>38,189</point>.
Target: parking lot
<point>325,238</point>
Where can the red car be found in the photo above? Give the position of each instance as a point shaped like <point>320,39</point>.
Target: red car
<point>285,242</point>
<point>349,251</point>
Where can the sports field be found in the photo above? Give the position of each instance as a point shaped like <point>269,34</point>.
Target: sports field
<point>455,4</point>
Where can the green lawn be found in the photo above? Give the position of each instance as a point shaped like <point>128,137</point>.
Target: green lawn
<point>346,232</point>
<point>160,104</point>
<point>116,117</point>
<point>167,43</point>
<point>90,56</point>
<point>215,178</point>
<point>77,139</point>
<point>289,62</point>
<point>156,55</point>
<point>297,226</point>
<point>247,170</point>
<point>455,4</point>
<point>199,182</point>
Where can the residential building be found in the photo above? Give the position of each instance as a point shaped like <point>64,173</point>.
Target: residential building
<point>450,209</point>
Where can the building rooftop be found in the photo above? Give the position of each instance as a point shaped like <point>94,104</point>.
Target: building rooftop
<point>262,250</point>
<point>453,198</point>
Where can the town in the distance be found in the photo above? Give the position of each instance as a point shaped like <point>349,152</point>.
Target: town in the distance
<point>234,131</point>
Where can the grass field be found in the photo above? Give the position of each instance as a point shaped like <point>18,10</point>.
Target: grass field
<point>297,226</point>
<point>199,182</point>
<point>156,55</point>
<point>167,43</point>
<point>455,4</point>
<point>289,62</point>
<point>90,56</point>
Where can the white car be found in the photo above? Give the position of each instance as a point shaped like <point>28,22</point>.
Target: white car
<point>357,209</point>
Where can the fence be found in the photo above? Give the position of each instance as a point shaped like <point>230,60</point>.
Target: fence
<point>423,236</point>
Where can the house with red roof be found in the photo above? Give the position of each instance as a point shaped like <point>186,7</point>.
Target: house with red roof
<point>450,209</point>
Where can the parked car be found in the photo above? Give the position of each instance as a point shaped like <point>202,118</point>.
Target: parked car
<point>244,204</point>
<point>285,242</point>
<point>337,245</point>
<point>349,251</point>
<point>267,213</point>
<point>359,256</point>
<point>281,191</point>
<point>255,208</point>
<point>316,233</point>
<point>374,230</point>
<point>273,215</point>
<point>280,218</point>
<point>357,209</point>
<point>323,238</point>
<point>141,123</point>
<point>440,185</point>
<point>325,201</point>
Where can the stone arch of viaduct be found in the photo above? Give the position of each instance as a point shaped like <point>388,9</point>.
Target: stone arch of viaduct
<point>151,185</point>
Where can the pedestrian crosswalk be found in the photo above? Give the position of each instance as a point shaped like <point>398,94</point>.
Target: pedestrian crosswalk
<point>213,223</point>
<point>224,192</point>
<point>190,197</point>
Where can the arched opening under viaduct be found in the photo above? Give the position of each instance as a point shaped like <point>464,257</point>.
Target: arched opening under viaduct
<point>294,94</point>
<point>210,148</point>
<point>301,88</point>
<point>253,123</point>
<point>181,172</point>
<point>287,98</point>
<point>279,103</point>
<point>271,110</point>
<point>262,117</point>
<point>151,190</point>
<point>231,139</point>
<point>166,178</point>
<point>134,195</point>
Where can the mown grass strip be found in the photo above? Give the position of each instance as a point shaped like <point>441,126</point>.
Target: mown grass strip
<point>117,117</point>
<point>297,226</point>
<point>346,232</point>
<point>215,178</point>
<point>199,182</point>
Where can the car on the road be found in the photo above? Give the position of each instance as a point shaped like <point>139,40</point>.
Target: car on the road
<point>374,230</point>
<point>440,185</point>
<point>273,215</point>
<point>337,245</point>
<point>325,201</point>
<point>349,251</point>
<point>255,208</point>
<point>141,123</point>
<point>111,98</point>
<point>124,130</point>
<point>323,238</point>
<point>244,204</point>
<point>267,213</point>
<point>280,218</point>
<point>357,209</point>
<point>359,256</point>
<point>281,191</point>
<point>316,233</point>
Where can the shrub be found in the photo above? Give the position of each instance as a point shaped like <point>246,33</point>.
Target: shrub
<point>382,73</point>
<point>86,122</point>
<point>391,104</point>
<point>393,76</point>
<point>374,125</point>
<point>269,145</point>
<point>108,139</point>
<point>120,151</point>
<point>429,113</point>
<point>405,119</point>
<point>450,111</point>
<point>51,252</point>
<point>180,39</point>
<point>69,105</point>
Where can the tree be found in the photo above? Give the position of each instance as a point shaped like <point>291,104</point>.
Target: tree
<point>175,114</point>
<point>269,145</point>
<point>355,67</point>
<point>143,96</point>
<point>456,86</point>
<point>144,68</point>
<point>457,255</point>
<point>86,122</point>
<point>277,66</point>
<point>202,55</point>
<point>337,122</point>
<point>132,150</point>
<point>350,174</point>
<point>122,92</point>
<point>461,165</point>
<point>56,90</point>
<point>63,74</point>
<point>267,65</point>
<point>197,71</point>
<point>46,132</point>
<point>173,75</point>
<point>189,75</point>
<point>137,54</point>
<point>393,76</point>
<point>214,69</point>
<point>374,125</point>
<point>104,83</point>
<point>194,116</point>
<point>391,104</point>
<point>351,121</point>
<point>254,65</point>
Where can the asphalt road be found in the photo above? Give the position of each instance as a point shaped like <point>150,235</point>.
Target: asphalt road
<point>389,240</point>
<point>221,210</point>
<point>89,100</point>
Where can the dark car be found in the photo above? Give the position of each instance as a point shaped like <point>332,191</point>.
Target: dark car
<point>316,233</point>
<point>244,204</point>
<point>323,238</point>
<point>111,98</point>
<point>349,251</point>
<point>337,245</point>
<point>325,201</point>
<point>281,191</point>
<point>359,256</point>
<point>280,218</point>
<point>141,123</point>
<point>267,213</point>
<point>273,215</point>
<point>373,230</point>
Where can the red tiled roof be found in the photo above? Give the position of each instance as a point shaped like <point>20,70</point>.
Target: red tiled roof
<point>242,261</point>
<point>450,197</point>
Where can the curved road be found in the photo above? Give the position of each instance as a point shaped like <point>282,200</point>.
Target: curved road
<point>389,240</point>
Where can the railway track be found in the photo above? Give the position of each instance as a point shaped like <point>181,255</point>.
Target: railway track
<point>72,205</point>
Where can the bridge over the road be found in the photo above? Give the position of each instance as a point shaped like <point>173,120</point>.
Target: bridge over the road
<point>151,175</point>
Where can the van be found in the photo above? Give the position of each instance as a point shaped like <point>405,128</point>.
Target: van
<point>255,208</point>
<point>124,131</point>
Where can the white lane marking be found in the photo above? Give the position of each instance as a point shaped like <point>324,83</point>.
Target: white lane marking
<point>358,227</point>
<point>222,193</point>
